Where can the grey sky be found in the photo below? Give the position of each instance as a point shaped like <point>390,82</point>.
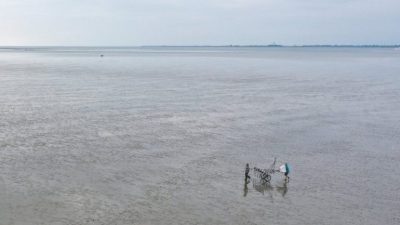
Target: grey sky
<point>197,22</point>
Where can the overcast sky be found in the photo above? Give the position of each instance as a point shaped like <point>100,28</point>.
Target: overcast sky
<point>198,22</point>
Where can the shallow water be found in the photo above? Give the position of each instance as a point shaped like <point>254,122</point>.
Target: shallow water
<point>162,135</point>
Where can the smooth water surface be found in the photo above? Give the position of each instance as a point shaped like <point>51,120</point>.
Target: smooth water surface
<point>162,135</point>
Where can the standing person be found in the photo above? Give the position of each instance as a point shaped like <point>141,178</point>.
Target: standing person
<point>285,170</point>
<point>246,172</point>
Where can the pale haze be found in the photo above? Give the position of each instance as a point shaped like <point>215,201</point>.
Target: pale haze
<point>190,22</point>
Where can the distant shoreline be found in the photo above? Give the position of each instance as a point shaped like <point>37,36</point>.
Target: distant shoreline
<point>210,46</point>
<point>280,46</point>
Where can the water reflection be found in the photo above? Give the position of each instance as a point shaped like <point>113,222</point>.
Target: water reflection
<point>282,189</point>
<point>264,187</point>
<point>246,189</point>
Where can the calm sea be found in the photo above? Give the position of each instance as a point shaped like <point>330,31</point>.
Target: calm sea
<point>161,135</point>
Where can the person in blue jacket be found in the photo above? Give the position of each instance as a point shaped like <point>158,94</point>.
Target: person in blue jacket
<point>285,169</point>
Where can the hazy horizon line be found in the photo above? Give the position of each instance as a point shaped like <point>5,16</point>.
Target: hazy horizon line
<point>227,45</point>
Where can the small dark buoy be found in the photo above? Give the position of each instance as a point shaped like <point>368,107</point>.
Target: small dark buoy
<point>101,55</point>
